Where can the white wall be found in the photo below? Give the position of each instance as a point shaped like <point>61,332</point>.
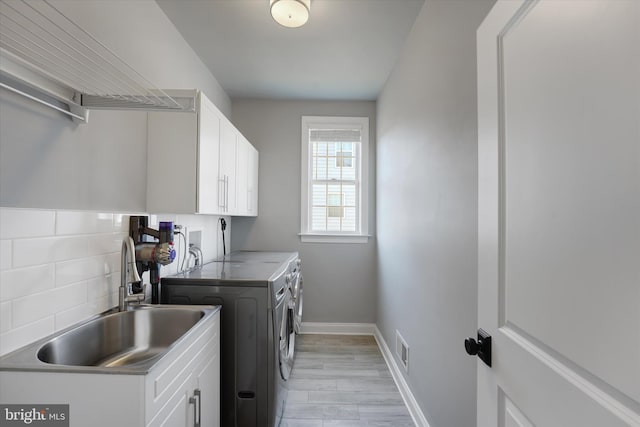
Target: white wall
<point>427,208</point>
<point>339,279</point>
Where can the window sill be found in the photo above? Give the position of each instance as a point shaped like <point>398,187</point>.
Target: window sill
<point>333,238</point>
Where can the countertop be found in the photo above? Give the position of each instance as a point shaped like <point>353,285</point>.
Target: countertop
<point>243,267</point>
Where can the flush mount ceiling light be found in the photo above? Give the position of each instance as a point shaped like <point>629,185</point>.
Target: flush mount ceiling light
<point>290,13</point>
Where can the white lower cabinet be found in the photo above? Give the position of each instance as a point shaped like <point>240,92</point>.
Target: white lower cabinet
<point>175,413</point>
<point>196,402</point>
<point>182,390</point>
<point>207,381</point>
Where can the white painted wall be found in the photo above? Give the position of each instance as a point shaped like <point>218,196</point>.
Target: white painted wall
<point>427,208</point>
<point>339,279</point>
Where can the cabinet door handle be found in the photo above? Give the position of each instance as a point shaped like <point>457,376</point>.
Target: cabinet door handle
<point>221,192</point>
<point>226,193</point>
<point>197,407</point>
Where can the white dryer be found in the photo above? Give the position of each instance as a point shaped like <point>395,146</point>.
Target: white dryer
<point>296,287</point>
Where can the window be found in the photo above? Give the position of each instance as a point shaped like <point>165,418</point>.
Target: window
<point>334,179</point>
<point>344,159</point>
<point>335,205</point>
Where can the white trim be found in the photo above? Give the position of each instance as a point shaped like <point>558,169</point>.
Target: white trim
<point>333,238</point>
<point>371,329</point>
<point>337,328</point>
<point>325,122</point>
<point>412,404</point>
<point>588,387</point>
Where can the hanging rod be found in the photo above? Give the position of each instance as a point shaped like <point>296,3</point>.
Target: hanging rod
<point>33,98</point>
<point>39,37</point>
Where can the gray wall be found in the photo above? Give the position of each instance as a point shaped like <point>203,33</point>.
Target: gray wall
<point>47,161</point>
<point>427,208</point>
<point>339,279</point>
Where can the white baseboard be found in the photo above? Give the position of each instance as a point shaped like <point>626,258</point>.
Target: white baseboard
<point>414,409</point>
<point>337,328</point>
<point>371,329</point>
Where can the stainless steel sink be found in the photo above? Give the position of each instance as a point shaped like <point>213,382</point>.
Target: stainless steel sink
<point>122,338</point>
<point>129,341</point>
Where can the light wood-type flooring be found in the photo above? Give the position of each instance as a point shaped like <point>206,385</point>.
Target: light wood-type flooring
<point>342,381</point>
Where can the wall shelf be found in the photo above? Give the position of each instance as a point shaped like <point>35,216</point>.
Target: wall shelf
<point>42,48</point>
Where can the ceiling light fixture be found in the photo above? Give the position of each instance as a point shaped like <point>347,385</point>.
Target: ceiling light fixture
<point>290,13</point>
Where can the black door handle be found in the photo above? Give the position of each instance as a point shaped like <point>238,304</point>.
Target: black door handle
<point>481,348</point>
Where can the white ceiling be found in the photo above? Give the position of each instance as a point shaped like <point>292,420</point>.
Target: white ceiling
<point>345,52</point>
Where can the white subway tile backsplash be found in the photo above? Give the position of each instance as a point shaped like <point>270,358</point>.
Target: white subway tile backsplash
<point>5,317</point>
<point>99,287</point>
<point>58,268</point>
<point>17,223</point>
<point>68,272</point>
<point>72,222</point>
<point>35,307</point>
<point>101,244</point>
<point>5,254</point>
<point>113,261</point>
<point>26,281</point>
<point>79,313</point>
<point>37,251</point>
<point>26,334</point>
<point>66,318</point>
<point>120,222</point>
<point>73,315</point>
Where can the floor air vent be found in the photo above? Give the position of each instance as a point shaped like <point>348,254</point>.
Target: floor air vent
<point>402,351</point>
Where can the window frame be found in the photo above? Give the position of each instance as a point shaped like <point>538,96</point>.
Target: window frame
<point>361,154</point>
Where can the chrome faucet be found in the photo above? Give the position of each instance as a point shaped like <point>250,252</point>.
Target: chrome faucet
<point>128,275</point>
<point>197,255</point>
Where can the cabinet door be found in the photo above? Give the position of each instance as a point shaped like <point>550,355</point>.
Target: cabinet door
<point>242,166</point>
<point>252,178</point>
<point>208,154</point>
<point>247,178</point>
<point>172,150</point>
<point>227,175</point>
<point>208,384</point>
<point>178,411</point>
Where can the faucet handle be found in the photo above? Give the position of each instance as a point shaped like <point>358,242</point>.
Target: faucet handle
<point>143,293</point>
<point>139,297</point>
<point>132,270</point>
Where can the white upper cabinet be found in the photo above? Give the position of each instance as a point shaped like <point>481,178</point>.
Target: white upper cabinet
<point>207,159</point>
<point>193,163</point>
<point>247,166</point>
<point>252,179</point>
<point>228,171</point>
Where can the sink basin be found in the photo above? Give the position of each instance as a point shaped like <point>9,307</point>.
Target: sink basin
<point>120,339</point>
<point>128,342</point>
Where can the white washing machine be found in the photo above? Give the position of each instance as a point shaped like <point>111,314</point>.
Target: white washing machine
<point>296,287</point>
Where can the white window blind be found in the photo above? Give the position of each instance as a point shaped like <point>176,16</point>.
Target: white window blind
<point>332,201</point>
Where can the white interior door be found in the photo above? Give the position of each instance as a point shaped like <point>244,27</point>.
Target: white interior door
<point>559,213</point>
